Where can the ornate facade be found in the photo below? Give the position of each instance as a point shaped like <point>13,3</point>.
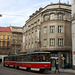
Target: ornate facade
<point>49,29</point>
<point>73,32</point>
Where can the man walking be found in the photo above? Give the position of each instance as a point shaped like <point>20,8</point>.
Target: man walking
<point>56,66</point>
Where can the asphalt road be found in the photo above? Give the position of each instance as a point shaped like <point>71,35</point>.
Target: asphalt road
<point>13,71</point>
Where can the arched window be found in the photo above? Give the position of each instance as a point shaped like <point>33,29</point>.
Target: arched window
<point>46,17</point>
<point>52,16</point>
<point>60,16</point>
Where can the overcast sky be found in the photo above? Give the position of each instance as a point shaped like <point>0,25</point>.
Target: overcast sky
<point>16,12</point>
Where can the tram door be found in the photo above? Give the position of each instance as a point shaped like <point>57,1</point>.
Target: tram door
<point>0,60</point>
<point>53,61</point>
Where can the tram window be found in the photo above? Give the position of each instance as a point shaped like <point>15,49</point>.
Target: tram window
<point>34,57</point>
<point>24,58</point>
<point>6,59</point>
<point>28,58</point>
<point>19,58</point>
<point>11,58</point>
<point>45,57</point>
<point>15,58</point>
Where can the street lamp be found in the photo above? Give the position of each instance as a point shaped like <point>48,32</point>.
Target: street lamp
<point>0,15</point>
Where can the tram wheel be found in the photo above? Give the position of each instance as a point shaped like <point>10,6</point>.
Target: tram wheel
<point>42,70</point>
<point>28,69</point>
<point>17,67</point>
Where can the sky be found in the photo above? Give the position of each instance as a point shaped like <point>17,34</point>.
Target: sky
<point>16,12</point>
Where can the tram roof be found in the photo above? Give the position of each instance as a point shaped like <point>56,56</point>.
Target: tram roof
<point>31,53</point>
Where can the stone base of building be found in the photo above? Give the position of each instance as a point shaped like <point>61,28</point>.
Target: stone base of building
<point>73,67</point>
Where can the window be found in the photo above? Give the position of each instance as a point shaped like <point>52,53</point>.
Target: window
<point>32,45</point>
<point>52,42</point>
<point>45,42</point>
<point>60,16</point>
<point>29,36</point>
<point>7,37</point>
<point>0,43</point>
<point>29,46</point>
<point>32,34</point>
<point>20,35</point>
<point>60,42</point>
<point>14,35</point>
<point>7,43</point>
<point>3,43</point>
<point>52,29</point>
<point>4,37</point>
<point>19,41</point>
<point>0,36</point>
<point>45,30</point>
<point>52,16</point>
<point>60,29</point>
<point>46,17</point>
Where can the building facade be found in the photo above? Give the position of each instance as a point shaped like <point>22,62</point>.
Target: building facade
<point>17,38</point>
<point>5,41</point>
<point>49,29</point>
<point>73,32</point>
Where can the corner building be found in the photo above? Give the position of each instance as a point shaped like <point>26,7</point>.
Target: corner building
<point>73,33</point>
<point>49,29</point>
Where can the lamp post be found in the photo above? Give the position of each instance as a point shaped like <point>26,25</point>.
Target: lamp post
<point>15,48</point>
<point>0,15</point>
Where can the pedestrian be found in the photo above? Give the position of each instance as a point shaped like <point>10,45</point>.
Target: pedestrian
<point>56,66</point>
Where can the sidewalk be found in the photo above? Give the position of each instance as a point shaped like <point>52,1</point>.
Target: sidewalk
<point>65,70</point>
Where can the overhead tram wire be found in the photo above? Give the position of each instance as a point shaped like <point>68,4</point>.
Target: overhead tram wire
<point>13,15</point>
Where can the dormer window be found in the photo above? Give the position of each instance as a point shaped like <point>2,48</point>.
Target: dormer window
<point>52,16</point>
<point>60,17</point>
<point>46,17</point>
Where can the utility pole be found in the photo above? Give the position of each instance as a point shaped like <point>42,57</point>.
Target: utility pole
<point>15,47</point>
<point>0,15</point>
<point>59,1</point>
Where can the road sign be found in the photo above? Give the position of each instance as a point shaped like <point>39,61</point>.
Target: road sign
<point>63,58</point>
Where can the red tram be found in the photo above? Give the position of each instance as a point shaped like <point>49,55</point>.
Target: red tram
<point>36,61</point>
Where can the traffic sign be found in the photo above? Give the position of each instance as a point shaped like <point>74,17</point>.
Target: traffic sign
<point>63,58</point>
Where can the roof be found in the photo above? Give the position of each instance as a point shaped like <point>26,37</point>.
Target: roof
<point>7,29</point>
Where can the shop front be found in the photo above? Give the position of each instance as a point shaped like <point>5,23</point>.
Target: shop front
<point>66,62</point>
